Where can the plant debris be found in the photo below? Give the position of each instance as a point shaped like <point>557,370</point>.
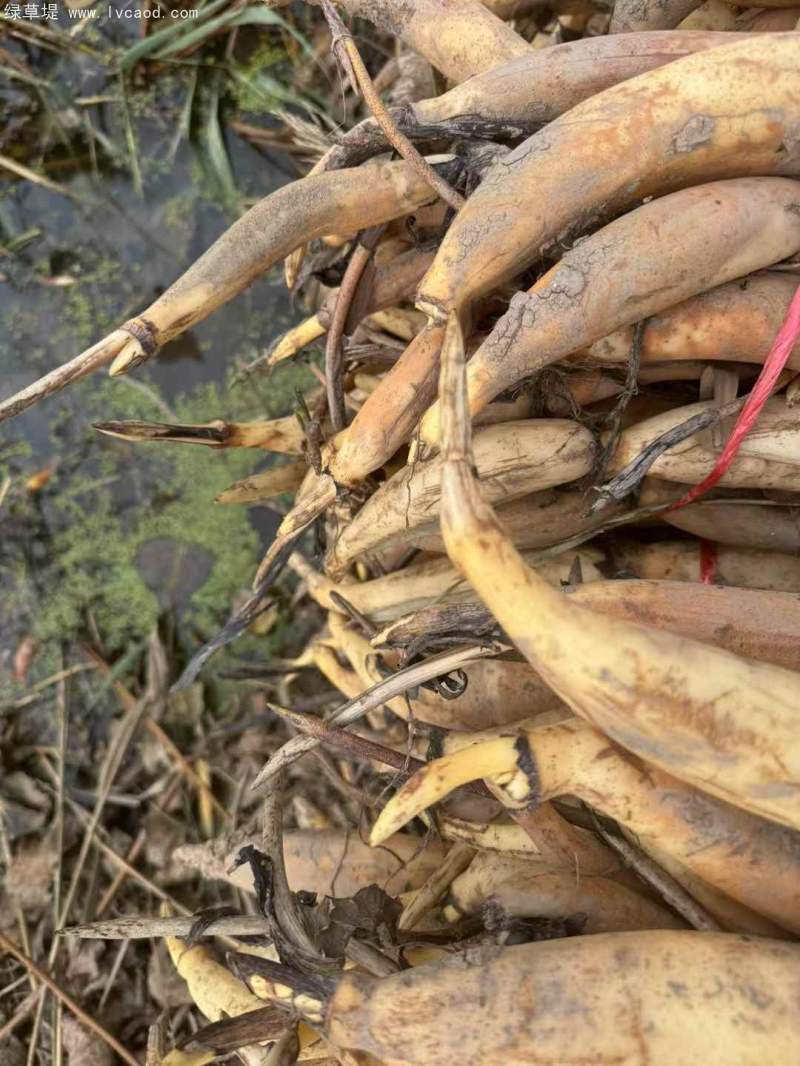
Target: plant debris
<point>471,742</point>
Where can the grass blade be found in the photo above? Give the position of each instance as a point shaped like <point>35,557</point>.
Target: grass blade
<point>211,146</point>
<point>144,48</point>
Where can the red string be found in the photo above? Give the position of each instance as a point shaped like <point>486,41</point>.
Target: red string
<point>708,561</point>
<point>779,353</point>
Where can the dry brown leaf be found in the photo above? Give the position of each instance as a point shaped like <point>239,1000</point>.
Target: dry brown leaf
<point>30,874</point>
<point>12,1052</point>
<point>329,862</point>
<point>84,1048</point>
<point>84,967</point>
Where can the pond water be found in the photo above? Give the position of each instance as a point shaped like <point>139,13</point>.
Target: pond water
<point>118,533</point>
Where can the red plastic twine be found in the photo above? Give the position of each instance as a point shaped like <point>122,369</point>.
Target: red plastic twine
<point>708,562</point>
<point>782,346</point>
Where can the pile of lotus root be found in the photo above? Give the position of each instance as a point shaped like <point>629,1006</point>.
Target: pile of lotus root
<point>547,495</point>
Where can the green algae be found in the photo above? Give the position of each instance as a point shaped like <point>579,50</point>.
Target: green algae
<point>73,551</point>
<point>95,543</point>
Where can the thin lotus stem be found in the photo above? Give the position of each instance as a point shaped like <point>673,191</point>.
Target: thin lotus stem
<point>673,893</point>
<point>411,677</point>
<point>637,514</point>
<point>286,754</point>
<point>286,912</point>
<point>356,746</point>
<point>10,948</point>
<point>256,604</point>
<point>345,49</point>
<point>334,383</point>
<point>614,420</point>
<point>92,359</point>
<point>367,627</point>
<point>300,518</point>
<point>385,690</point>
<point>136,928</point>
<point>636,470</point>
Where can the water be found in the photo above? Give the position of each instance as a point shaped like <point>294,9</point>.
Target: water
<point>117,525</point>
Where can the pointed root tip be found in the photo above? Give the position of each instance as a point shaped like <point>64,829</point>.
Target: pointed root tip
<point>119,367</point>
<point>277,354</point>
<point>282,712</point>
<point>110,429</point>
<point>385,826</point>
<point>132,354</point>
<point>277,554</point>
<point>265,566</point>
<point>412,799</point>
<point>123,431</point>
<point>183,682</point>
<point>441,777</point>
<point>263,775</point>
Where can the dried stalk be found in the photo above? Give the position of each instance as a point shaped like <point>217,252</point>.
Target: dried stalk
<point>36,690</point>
<point>98,355</point>
<point>287,915</point>
<point>344,47</point>
<point>354,709</point>
<point>363,252</point>
<point>428,895</point>
<point>358,747</point>
<point>135,928</point>
<point>674,894</point>
<point>10,948</point>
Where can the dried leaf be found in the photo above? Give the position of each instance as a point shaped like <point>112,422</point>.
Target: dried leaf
<point>256,1026</point>
<point>287,932</point>
<point>19,820</point>
<point>12,1052</point>
<point>29,876</point>
<point>84,966</point>
<point>83,1047</point>
<point>371,913</point>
